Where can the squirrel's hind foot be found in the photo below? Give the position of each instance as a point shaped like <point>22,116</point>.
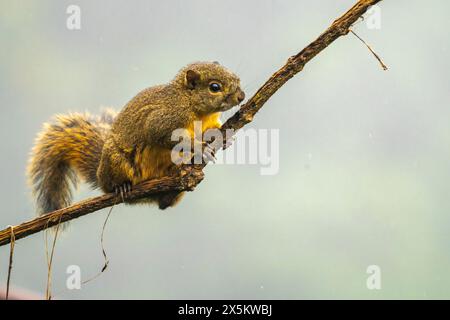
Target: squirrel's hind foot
<point>123,190</point>
<point>169,199</point>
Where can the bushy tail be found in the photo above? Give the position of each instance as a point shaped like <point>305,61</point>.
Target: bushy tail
<point>65,150</point>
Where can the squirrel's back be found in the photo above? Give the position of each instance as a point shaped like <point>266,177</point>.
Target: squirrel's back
<point>115,153</point>
<point>68,148</point>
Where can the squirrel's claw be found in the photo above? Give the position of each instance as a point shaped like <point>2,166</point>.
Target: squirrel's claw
<point>229,141</point>
<point>123,190</point>
<point>209,154</point>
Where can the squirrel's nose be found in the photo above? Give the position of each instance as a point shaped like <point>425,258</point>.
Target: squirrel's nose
<point>241,96</point>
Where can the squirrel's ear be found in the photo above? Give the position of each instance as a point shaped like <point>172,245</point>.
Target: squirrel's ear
<point>192,78</point>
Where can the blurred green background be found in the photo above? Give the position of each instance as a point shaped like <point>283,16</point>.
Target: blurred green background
<point>364,173</point>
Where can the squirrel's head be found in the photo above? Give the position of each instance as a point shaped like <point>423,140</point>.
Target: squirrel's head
<point>211,87</point>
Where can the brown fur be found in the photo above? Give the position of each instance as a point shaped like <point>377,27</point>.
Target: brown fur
<point>66,149</point>
<point>109,151</point>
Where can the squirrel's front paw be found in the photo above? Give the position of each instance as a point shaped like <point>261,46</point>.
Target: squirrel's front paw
<point>229,141</point>
<point>123,190</point>
<point>209,154</point>
<point>203,152</point>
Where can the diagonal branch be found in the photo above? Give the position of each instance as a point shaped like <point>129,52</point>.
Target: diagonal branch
<point>190,176</point>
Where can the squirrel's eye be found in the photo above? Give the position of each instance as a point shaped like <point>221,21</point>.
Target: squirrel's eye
<point>215,87</point>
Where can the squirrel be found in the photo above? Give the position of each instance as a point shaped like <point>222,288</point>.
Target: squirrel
<point>114,151</point>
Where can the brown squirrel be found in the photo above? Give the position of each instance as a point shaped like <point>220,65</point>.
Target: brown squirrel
<point>115,151</point>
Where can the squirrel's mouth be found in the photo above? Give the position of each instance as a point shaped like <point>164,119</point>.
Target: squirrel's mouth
<point>227,106</point>
<point>232,99</point>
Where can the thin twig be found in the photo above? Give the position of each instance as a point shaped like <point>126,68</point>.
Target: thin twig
<point>105,257</point>
<point>48,294</point>
<point>11,255</point>
<point>191,176</point>
<point>371,50</point>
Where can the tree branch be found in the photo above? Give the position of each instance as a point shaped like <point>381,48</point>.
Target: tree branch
<point>186,181</point>
<point>192,175</point>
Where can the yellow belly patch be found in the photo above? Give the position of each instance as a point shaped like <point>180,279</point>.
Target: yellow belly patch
<point>211,121</point>
<point>156,162</point>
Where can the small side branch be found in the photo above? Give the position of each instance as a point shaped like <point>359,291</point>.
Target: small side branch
<point>190,176</point>
<point>371,50</point>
